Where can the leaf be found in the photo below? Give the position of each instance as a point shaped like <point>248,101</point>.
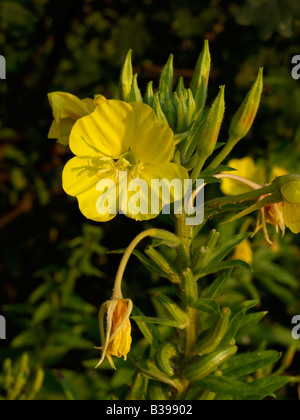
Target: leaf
<point>43,312</point>
<point>158,321</point>
<point>259,389</point>
<point>267,386</point>
<point>217,287</point>
<point>224,249</point>
<point>245,364</point>
<point>147,263</point>
<point>148,330</point>
<point>27,338</point>
<point>214,268</point>
<point>249,322</point>
<point>209,306</point>
<point>69,392</point>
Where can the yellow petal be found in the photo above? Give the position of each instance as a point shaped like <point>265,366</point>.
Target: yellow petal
<point>291,215</point>
<point>61,130</point>
<point>106,132</point>
<point>153,142</point>
<point>277,172</point>
<point>154,176</point>
<point>291,191</point>
<point>245,168</point>
<point>65,105</point>
<point>81,178</point>
<point>244,252</point>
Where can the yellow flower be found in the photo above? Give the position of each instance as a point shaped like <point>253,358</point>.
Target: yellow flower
<point>245,168</point>
<point>116,340</point>
<point>120,139</point>
<point>67,109</point>
<point>291,205</point>
<point>244,252</point>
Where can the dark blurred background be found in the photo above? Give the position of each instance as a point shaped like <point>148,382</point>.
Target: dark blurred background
<point>79,46</point>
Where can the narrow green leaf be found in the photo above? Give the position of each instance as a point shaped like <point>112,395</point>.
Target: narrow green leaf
<point>158,321</point>
<point>224,249</point>
<point>217,287</point>
<point>209,306</point>
<point>246,364</point>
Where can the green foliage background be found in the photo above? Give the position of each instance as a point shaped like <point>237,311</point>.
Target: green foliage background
<point>54,268</point>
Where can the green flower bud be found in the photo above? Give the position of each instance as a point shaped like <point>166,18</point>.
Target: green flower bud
<point>244,118</point>
<point>173,310</point>
<point>163,264</point>
<point>202,70</point>
<point>159,112</point>
<point>164,355</point>
<point>166,80</point>
<point>135,93</point>
<point>180,86</point>
<point>215,336</point>
<point>204,366</point>
<point>182,114</point>
<point>209,132</point>
<point>149,96</point>
<point>126,77</point>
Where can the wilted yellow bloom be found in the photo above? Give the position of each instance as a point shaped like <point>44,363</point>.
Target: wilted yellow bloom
<point>116,340</point>
<point>120,143</point>
<point>67,109</point>
<point>244,252</point>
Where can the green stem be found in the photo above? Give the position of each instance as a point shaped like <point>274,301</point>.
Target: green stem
<point>221,156</point>
<point>251,195</point>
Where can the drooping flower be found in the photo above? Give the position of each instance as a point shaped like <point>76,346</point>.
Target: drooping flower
<point>116,339</point>
<point>67,109</point>
<point>121,142</point>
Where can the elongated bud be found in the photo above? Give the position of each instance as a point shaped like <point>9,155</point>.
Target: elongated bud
<point>149,96</point>
<point>180,86</point>
<point>126,77</point>
<point>210,131</point>
<point>135,93</point>
<point>244,118</point>
<point>216,335</point>
<point>202,70</point>
<point>204,366</point>
<point>172,309</point>
<point>182,114</point>
<point>163,264</point>
<point>159,112</point>
<point>166,237</point>
<point>164,355</point>
<point>190,286</point>
<point>166,80</point>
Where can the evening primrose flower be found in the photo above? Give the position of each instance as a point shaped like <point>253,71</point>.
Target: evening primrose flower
<point>120,143</point>
<point>67,109</point>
